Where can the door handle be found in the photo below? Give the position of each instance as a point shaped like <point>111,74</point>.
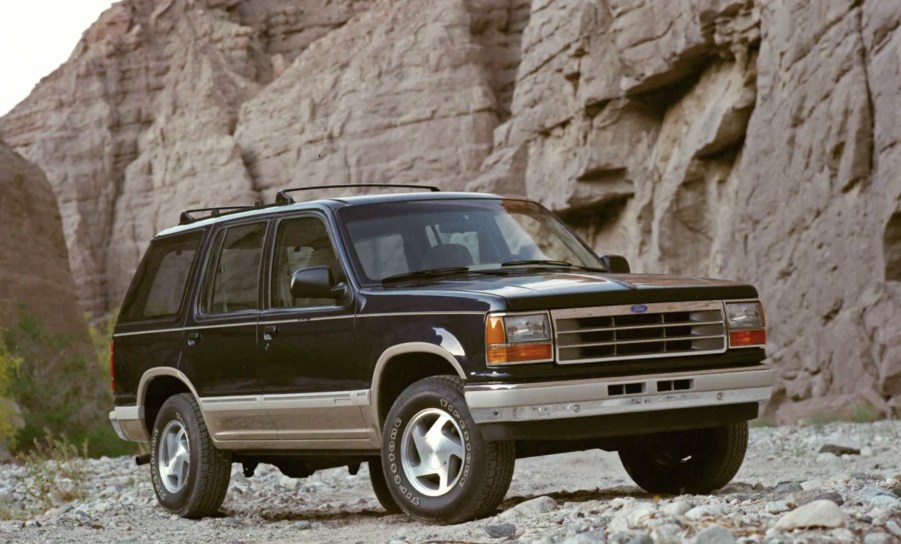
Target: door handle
<point>269,332</point>
<point>193,338</point>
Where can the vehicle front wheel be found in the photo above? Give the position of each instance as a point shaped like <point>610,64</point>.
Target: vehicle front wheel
<point>694,461</point>
<point>190,476</point>
<point>380,486</point>
<point>437,465</point>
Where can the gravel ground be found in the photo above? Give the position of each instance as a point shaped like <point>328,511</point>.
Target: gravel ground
<point>788,490</point>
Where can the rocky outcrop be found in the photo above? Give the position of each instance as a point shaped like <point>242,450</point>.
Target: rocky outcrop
<point>709,137</point>
<point>719,138</point>
<point>40,319</point>
<point>138,124</point>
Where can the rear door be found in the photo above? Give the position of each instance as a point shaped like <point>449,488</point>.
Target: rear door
<point>148,332</point>
<point>315,386</point>
<point>220,335</point>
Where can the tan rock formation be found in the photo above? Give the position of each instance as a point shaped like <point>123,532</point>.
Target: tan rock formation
<point>740,138</point>
<point>407,100</point>
<point>36,285</point>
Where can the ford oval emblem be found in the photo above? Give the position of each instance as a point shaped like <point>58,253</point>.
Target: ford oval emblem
<point>639,309</point>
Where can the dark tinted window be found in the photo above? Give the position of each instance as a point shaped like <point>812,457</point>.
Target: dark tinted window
<point>162,278</point>
<point>300,243</point>
<point>232,281</point>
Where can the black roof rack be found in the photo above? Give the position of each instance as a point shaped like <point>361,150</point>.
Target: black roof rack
<point>284,197</point>
<point>187,216</point>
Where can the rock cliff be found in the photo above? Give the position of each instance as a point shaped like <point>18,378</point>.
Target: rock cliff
<point>749,139</point>
<point>40,319</point>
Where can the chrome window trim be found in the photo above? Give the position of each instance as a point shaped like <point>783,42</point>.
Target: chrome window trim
<point>155,331</point>
<point>298,319</point>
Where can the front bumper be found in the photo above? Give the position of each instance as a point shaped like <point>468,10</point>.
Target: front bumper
<point>128,421</point>
<point>510,403</point>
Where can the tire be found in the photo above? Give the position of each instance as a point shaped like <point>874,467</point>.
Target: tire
<point>380,486</point>
<point>190,476</point>
<point>476,473</point>
<point>696,461</point>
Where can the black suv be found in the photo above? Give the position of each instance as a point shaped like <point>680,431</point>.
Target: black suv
<point>435,336</point>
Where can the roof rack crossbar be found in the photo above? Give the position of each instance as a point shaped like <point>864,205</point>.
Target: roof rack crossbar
<point>188,217</point>
<point>284,196</point>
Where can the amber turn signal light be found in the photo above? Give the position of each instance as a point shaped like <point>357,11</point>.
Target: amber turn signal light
<point>518,353</point>
<point>751,337</point>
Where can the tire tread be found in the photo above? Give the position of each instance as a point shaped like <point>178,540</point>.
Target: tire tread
<point>722,455</point>
<point>211,486</point>
<point>500,459</point>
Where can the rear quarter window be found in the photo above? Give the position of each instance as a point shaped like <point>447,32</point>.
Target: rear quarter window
<point>159,288</point>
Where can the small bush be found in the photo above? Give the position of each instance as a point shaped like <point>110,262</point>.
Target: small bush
<point>58,385</point>
<point>864,412</point>
<point>101,332</point>
<point>55,471</point>
<point>10,363</point>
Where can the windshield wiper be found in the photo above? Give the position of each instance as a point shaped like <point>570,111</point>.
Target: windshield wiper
<point>547,262</point>
<point>428,273</point>
<point>550,262</point>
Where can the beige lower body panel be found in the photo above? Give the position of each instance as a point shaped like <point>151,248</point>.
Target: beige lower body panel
<point>584,398</point>
<point>306,421</point>
<point>298,445</point>
<point>128,422</point>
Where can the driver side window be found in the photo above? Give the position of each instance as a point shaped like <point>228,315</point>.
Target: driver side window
<point>300,243</point>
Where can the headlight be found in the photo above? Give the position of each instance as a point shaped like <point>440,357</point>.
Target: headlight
<point>744,315</point>
<point>518,338</point>
<point>746,324</point>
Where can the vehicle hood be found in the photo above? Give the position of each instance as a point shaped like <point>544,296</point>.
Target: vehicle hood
<point>528,291</point>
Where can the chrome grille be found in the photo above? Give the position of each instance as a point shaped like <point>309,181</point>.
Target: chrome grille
<point>619,332</point>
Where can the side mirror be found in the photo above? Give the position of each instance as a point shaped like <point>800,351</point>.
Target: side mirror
<point>616,264</point>
<point>315,282</point>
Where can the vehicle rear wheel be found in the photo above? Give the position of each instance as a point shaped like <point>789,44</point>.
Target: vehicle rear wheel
<point>436,463</point>
<point>190,476</point>
<point>380,486</point>
<point>694,461</point>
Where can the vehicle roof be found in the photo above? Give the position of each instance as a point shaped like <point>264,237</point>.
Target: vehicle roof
<point>333,203</point>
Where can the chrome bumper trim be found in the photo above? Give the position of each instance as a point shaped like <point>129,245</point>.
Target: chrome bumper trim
<point>128,422</point>
<point>584,398</point>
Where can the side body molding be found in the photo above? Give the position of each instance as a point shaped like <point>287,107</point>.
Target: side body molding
<point>403,349</point>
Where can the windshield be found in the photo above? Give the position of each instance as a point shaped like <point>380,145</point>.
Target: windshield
<point>400,239</point>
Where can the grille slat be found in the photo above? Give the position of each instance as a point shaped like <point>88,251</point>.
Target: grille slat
<point>657,325</point>
<point>645,341</point>
<point>660,330</point>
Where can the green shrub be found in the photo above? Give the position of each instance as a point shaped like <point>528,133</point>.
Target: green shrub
<point>10,363</point>
<point>864,412</point>
<point>58,387</point>
<point>101,332</point>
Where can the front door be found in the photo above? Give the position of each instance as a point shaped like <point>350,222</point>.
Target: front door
<point>314,390</point>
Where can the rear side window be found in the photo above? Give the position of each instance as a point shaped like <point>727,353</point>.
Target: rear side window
<point>232,282</point>
<point>162,279</point>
